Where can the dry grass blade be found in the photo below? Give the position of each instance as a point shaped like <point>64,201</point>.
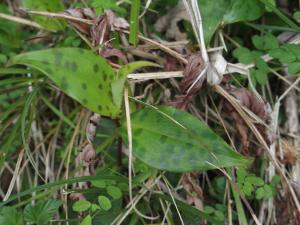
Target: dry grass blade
<point>21,21</point>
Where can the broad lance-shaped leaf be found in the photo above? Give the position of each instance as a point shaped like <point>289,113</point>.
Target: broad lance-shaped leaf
<point>79,73</point>
<point>118,85</point>
<point>227,11</point>
<point>170,139</point>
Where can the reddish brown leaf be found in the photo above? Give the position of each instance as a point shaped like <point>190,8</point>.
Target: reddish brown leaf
<point>192,70</point>
<point>85,13</point>
<point>259,108</point>
<point>113,52</point>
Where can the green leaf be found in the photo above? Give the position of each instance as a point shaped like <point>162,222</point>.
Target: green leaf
<point>118,85</point>
<point>42,212</point>
<point>260,76</point>
<point>266,42</point>
<point>275,180</point>
<point>211,23</point>
<point>244,10</point>
<point>241,175</point>
<point>268,191</point>
<point>208,209</point>
<point>257,181</point>
<point>86,221</point>
<point>273,4</point>
<point>244,55</point>
<point>260,193</point>
<point>101,5</point>
<point>114,192</point>
<point>134,21</point>
<point>48,6</point>
<point>10,32</point>
<point>81,206</point>
<point>95,207</point>
<point>293,48</point>
<point>104,203</point>
<point>170,139</point>
<point>296,15</point>
<point>239,206</point>
<point>272,7</point>
<point>79,73</point>
<point>99,183</point>
<point>105,175</point>
<point>294,67</point>
<point>262,65</point>
<point>247,189</point>
<point>219,215</point>
<point>10,216</point>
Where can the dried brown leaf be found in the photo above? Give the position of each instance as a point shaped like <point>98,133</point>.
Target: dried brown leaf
<point>259,108</point>
<point>84,13</point>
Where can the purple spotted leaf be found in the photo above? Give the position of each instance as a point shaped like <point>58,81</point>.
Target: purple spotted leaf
<point>170,139</point>
<point>79,73</point>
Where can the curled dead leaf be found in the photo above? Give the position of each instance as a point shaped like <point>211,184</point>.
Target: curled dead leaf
<point>191,72</point>
<point>258,107</point>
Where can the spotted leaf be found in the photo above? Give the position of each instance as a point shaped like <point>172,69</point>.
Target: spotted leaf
<point>79,73</point>
<point>169,139</point>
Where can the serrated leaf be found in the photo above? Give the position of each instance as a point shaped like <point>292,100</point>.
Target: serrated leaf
<point>104,203</point>
<point>185,145</point>
<point>118,84</point>
<point>48,6</point>
<point>79,73</point>
<point>42,212</point>
<point>114,192</point>
<point>81,206</point>
<point>10,216</point>
<point>86,221</point>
